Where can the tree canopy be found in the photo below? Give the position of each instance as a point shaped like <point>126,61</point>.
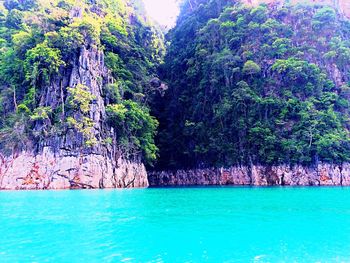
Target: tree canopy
<point>263,85</point>
<point>40,43</point>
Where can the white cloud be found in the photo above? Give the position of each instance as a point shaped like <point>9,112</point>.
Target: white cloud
<point>163,11</point>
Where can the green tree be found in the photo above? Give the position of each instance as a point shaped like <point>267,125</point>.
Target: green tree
<point>251,68</point>
<point>136,129</point>
<point>41,63</point>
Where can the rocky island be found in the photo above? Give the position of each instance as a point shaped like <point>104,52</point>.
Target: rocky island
<point>73,78</point>
<point>237,93</point>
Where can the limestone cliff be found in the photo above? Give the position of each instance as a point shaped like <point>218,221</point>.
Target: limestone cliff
<point>321,175</point>
<point>62,161</point>
<point>238,93</point>
<point>62,170</point>
<point>75,78</point>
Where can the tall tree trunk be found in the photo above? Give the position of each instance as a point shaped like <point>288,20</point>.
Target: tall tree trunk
<point>62,100</point>
<point>14,98</point>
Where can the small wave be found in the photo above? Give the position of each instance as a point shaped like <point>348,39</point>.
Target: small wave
<point>259,257</point>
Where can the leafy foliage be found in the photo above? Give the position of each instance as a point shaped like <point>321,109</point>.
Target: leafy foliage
<point>255,85</point>
<point>40,44</point>
<point>136,128</point>
<point>41,63</point>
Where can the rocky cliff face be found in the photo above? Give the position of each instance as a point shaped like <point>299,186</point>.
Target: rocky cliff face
<point>62,170</point>
<point>62,160</point>
<point>76,78</point>
<point>322,175</point>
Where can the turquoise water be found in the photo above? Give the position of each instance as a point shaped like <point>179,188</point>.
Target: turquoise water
<point>176,225</point>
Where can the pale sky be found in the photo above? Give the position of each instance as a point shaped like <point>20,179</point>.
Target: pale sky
<point>163,11</point>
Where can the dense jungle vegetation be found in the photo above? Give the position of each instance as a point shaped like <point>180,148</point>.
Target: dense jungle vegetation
<point>263,85</point>
<point>40,42</point>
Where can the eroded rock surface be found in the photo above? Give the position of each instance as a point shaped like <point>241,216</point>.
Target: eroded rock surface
<point>47,170</point>
<point>322,175</point>
<point>62,160</point>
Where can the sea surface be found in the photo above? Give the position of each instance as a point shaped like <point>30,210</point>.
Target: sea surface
<point>176,225</point>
